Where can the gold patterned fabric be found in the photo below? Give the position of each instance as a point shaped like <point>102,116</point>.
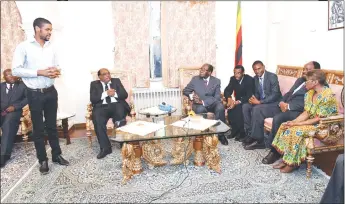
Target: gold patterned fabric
<point>291,142</point>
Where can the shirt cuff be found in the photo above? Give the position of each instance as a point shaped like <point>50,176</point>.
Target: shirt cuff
<point>288,107</point>
<point>115,95</point>
<point>239,101</point>
<point>203,103</point>
<point>191,96</point>
<point>104,95</point>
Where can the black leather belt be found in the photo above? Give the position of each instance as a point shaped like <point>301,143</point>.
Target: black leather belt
<point>43,90</point>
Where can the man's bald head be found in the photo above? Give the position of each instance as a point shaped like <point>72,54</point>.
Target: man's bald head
<point>104,75</point>
<point>310,66</point>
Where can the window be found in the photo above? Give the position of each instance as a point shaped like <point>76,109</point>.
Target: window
<point>155,40</point>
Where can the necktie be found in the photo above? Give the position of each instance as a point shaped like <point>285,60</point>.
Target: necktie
<point>10,89</point>
<point>205,82</point>
<point>107,99</point>
<point>261,89</point>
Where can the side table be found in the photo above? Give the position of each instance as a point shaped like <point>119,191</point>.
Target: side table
<point>64,123</point>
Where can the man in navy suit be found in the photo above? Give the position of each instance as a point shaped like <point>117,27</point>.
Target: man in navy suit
<point>204,91</point>
<point>108,98</point>
<point>13,99</point>
<point>263,104</point>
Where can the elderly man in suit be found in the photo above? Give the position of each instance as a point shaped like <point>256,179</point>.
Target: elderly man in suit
<point>263,104</point>
<point>242,85</point>
<point>107,96</point>
<point>291,106</point>
<point>13,99</point>
<point>204,92</point>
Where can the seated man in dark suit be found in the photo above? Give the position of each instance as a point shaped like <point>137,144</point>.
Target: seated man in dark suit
<point>204,92</point>
<point>334,192</point>
<point>262,105</point>
<point>107,96</point>
<point>243,87</point>
<point>13,99</point>
<point>291,106</point>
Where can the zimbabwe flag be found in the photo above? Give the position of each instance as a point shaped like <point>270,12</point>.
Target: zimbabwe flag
<point>238,52</point>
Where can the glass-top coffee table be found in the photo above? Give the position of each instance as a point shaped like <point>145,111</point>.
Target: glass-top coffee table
<point>185,141</point>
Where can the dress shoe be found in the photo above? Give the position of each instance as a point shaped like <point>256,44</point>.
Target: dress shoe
<point>240,138</point>
<point>279,165</point>
<point>223,140</point>
<point>255,145</point>
<point>60,160</point>
<point>104,152</point>
<point>44,169</point>
<point>3,160</point>
<point>248,140</point>
<point>270,158</point>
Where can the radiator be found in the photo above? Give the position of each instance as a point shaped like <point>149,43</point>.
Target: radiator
<point>148,98</point>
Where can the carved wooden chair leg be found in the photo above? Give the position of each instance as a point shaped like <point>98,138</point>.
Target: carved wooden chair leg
<point>310,160</point>
<point>89,136</point>
<point>25,138</point>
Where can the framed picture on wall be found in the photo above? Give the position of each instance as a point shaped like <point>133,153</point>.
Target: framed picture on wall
<point>335,14</point>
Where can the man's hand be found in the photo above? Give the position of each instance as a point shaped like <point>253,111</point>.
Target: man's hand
<point>196,99</point>
<point>254,101</point>
<point>230,104</point>
<point>111,92</point>
<point>50,72</point>
<point>283,106</point>
<point>10,109</point>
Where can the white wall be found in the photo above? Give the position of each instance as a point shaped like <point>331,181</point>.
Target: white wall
<point>302,35</point>
<point>254,37</point>
<point>289,33</point>
<point>85,40</point>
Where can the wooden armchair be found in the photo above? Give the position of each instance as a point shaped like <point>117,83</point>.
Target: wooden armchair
<point>185,75</point>
<point>330,134</point>
<point>111,128</point>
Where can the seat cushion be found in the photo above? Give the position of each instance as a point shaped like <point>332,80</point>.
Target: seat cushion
<point>285,83</point>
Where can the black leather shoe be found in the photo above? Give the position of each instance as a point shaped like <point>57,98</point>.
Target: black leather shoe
<point>270,158</point>
<point>60,160</point>
<point>255,145</point>
<point>248,140</point>
<point>104,152</point>
<point>44,169</point>
<point>3,160</point>
<point>223,140</point>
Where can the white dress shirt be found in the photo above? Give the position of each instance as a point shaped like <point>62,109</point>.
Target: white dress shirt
<point>104,94</point>
<point>29,56</point>
<point>8,87</point>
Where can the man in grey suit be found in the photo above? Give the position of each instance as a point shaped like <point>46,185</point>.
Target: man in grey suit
<point>204,91</point>
<point>13,99</point>
<point>262,105</point>
<point>291,106</point>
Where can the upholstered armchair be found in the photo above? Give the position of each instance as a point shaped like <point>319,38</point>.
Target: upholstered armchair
<point>111,128</point>
<point>185,75</point>
<point>330,133</point>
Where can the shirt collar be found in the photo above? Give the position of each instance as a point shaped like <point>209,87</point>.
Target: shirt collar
<point>104,83</point>
<point>263,75</point>
<point>33,40</point>
<point>207,79</point>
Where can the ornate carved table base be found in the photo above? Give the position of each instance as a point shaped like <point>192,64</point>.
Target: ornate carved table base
<point>205,147</point>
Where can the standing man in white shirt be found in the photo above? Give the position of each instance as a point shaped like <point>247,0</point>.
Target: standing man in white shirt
<point>108,98</point>
<point>36,62</point>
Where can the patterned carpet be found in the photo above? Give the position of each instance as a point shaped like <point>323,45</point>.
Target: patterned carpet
<point>89,180</point>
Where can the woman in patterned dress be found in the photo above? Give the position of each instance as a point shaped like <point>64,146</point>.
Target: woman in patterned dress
<point>289,141</point>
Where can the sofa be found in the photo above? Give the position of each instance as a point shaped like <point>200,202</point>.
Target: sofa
<point>330,130</point>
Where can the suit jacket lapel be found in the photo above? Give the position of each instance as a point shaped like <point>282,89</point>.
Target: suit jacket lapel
<point>15,88</point>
